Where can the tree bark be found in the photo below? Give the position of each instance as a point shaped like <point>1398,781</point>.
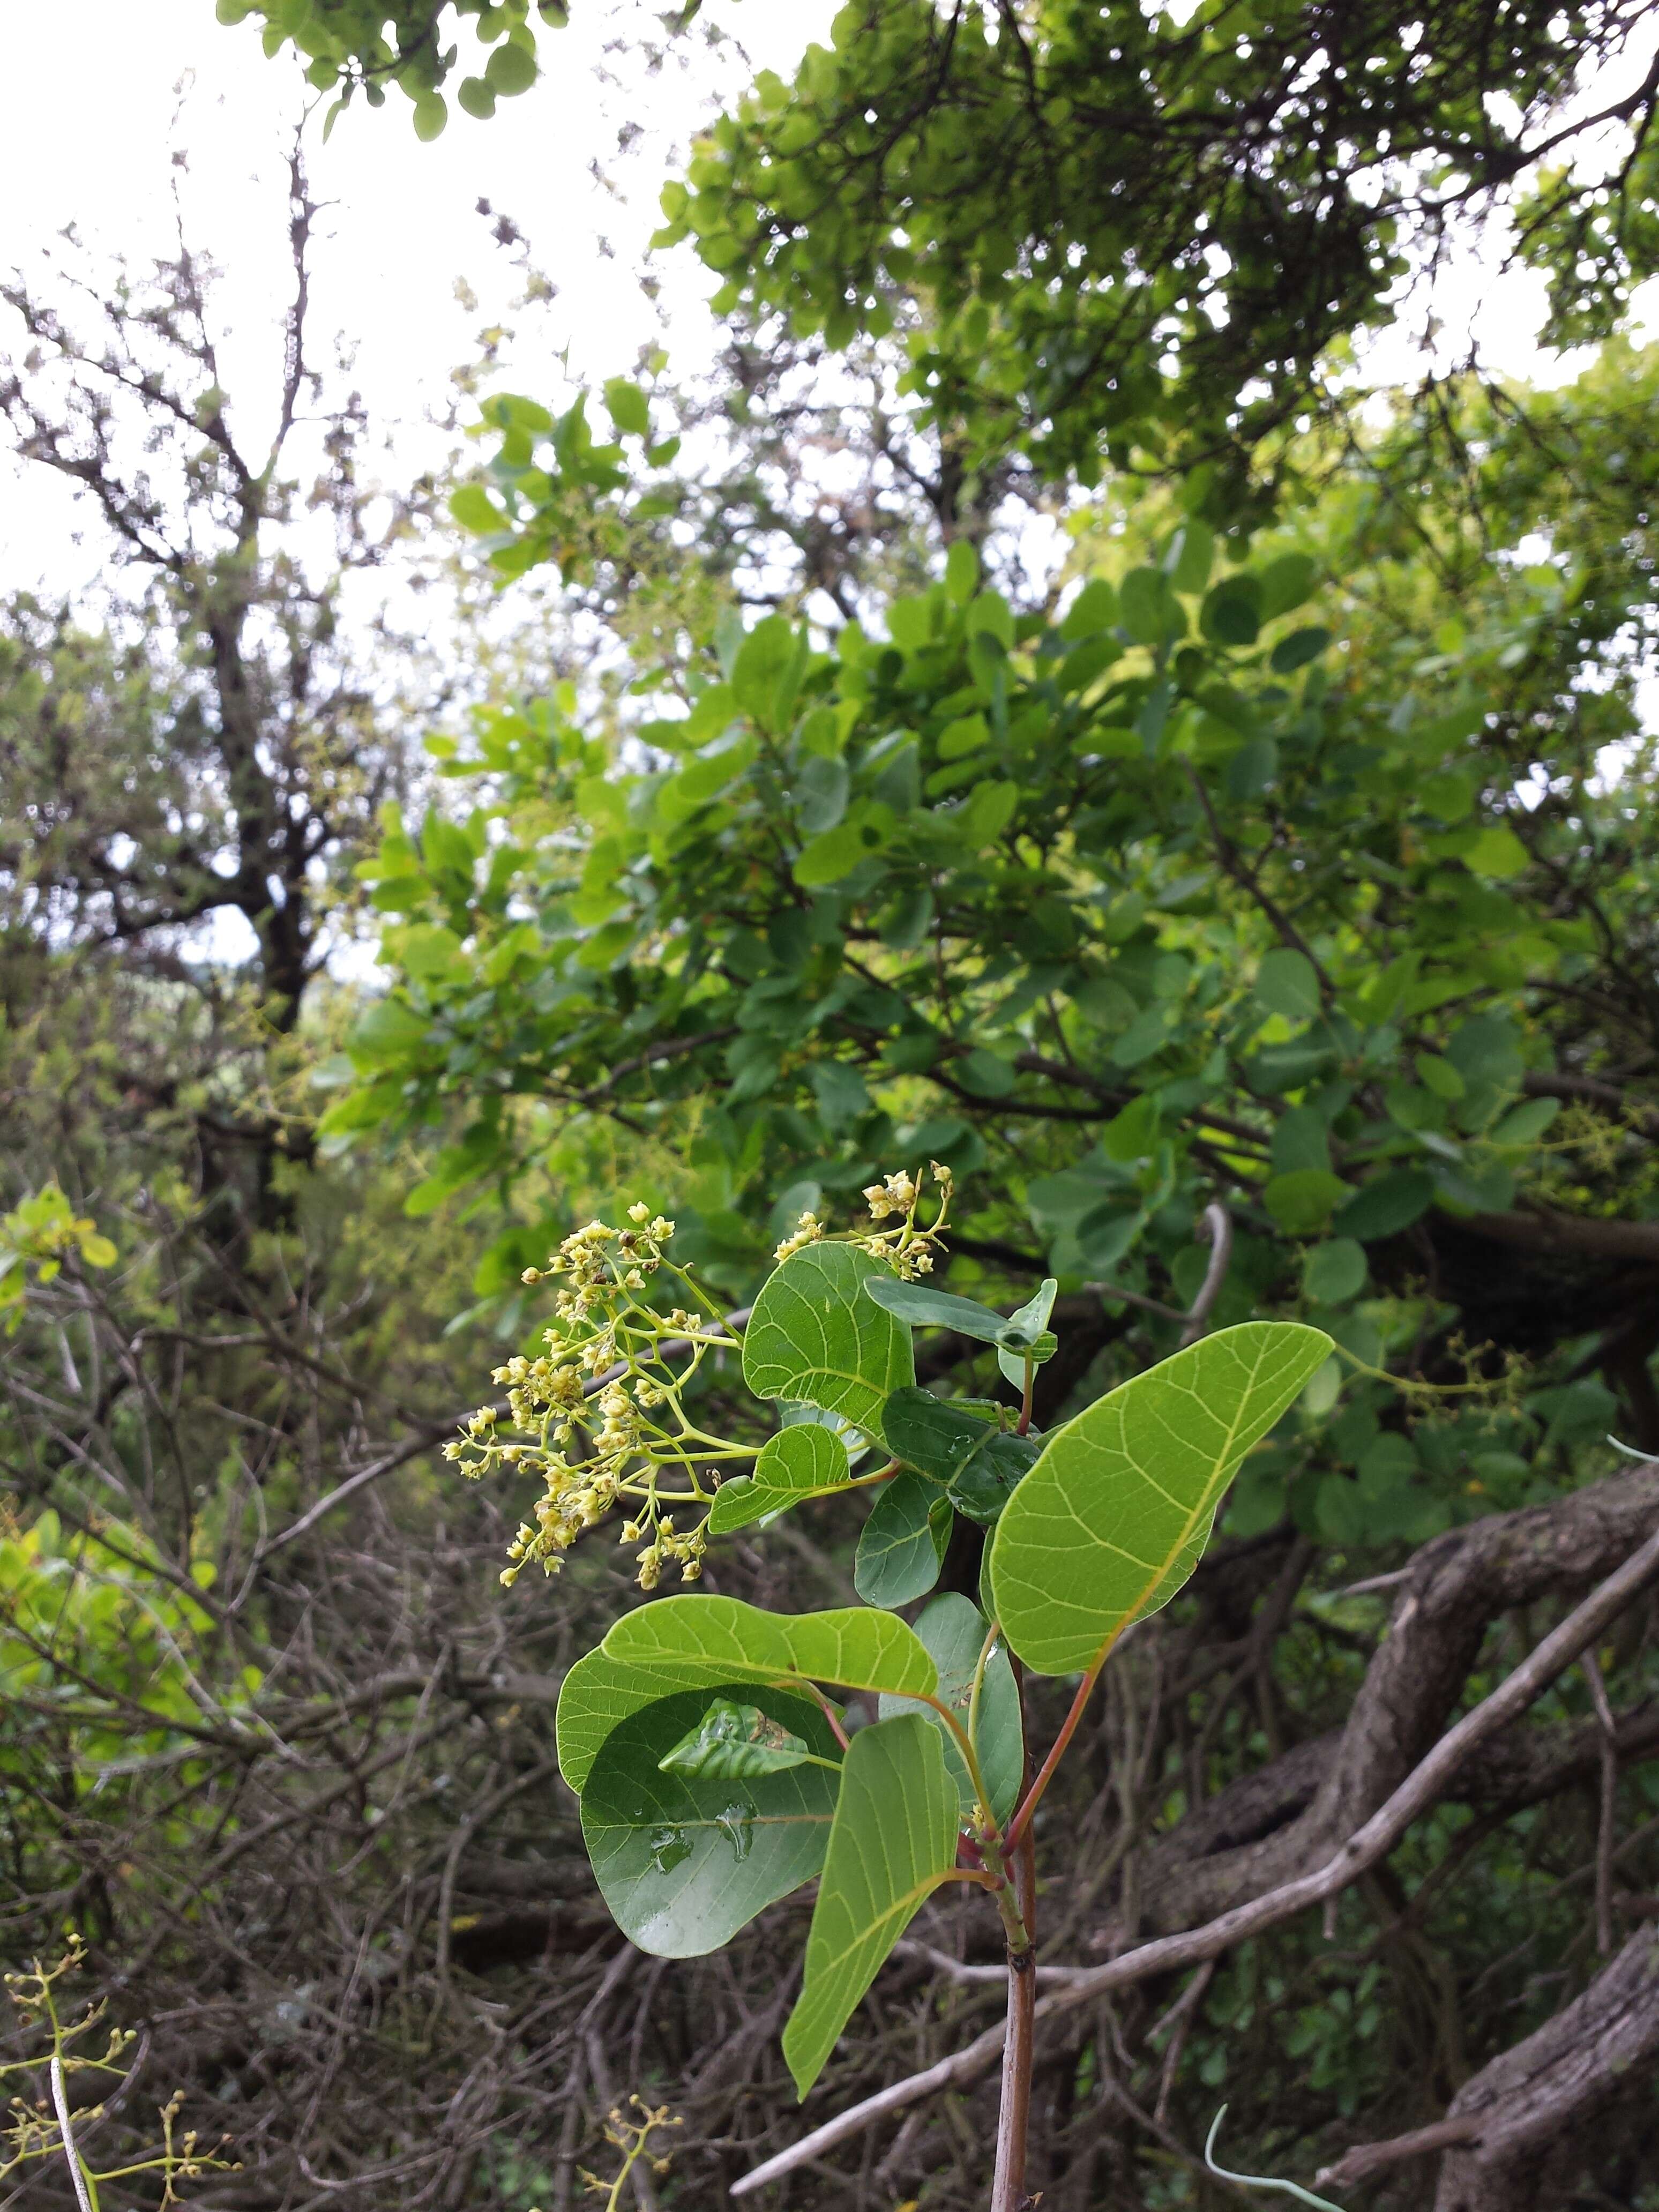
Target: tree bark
<point>1597,2051</point>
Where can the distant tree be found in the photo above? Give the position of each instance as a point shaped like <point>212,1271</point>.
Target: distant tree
<point>217,744</point>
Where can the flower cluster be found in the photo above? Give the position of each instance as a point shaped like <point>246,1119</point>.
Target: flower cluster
<point>599,1414</point>
<point>908,1249</point>
<point>807,1230</point>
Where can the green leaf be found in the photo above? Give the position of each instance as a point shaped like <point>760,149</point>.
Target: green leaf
<point>901,1547</point>
<point>1385,1205</point>
<point>627,406</point>
<point>893,1842</point>
<point>991,1476</point>
<point>1093,610</point>
<point>987,1075</point>
<point>1193,551</point>
<point>803,1461</point>
<point>1113,1517</point>
<point>511,68</point>
<point>979,1463</point>
<point>1499,853</point>
<point>954,1629</point>
<point>961,572</point>
<point>734,1742</point>
<point>1296,650</point>
<point>1303,1200</point>
<point>711,1644</point>
<point>985,814</point>
<point>828,857</point>
<point>923,1308</point>
<point>684,1860</point>
<point>1334,1271</point>
<point>821,788</point>
<point>1032,1319</point>
<point>1287,983</point>
<point>767,673</point>
<point>474,509</point>
<point>1527,1123</point>
<point>1440,1077</point>
<point>1286,583</point>
<point>1147,606</point>
<point>814,1338</point>
<point>1231,613</point>
<point>936,1436</point>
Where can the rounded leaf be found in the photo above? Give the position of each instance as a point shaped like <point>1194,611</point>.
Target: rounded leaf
<point>901,1546</point>
<point>1287,983</point>
<point>804,1461</point>
<point>815,1338</point>
<point>711,1643</point>
<point>684,1860</point>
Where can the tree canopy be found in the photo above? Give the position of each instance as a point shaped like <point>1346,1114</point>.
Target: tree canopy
<point>1119,234</point>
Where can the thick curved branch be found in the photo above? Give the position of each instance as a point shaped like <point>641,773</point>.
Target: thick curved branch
<point>1501,2126</point>
<point>1265,1831</point>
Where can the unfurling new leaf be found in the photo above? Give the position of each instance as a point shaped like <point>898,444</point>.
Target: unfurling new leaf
<point>732,1743</point>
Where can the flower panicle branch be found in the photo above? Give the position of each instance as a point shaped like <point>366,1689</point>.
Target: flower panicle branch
<point>908,1248</point>
<point>39,2128</point>
<point>607,1415</point>
<point>600,1414</point>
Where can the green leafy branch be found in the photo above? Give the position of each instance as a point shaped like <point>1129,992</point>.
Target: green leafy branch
<point>715,1769</point>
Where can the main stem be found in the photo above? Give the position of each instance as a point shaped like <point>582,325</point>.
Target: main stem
<point>1008,2189</point>
<point>1014,2113</point>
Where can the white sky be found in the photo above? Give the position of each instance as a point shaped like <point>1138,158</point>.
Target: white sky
<point>90,145</point>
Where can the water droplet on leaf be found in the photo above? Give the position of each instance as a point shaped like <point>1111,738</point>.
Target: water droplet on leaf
<point>737,1825</point>
<point>669,1847</point>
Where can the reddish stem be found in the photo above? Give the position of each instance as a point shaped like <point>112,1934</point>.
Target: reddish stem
<point>829,1714</point>
<point>1013,2117</point>
<point>1022,1820</point>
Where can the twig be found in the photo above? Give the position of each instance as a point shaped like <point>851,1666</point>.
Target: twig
<point>1609,1807</point>
<point>1368,1844</point>
<point>1181,2013</point>
<point>1217,1226</point>
<point>60,2101</point>
<point>943,1962</point>
<point>1114,1290</point>
<point>1360,2164</point>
